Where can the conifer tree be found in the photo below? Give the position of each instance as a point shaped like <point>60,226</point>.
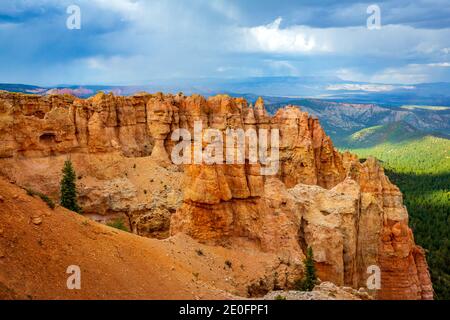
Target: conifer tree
<point>309,279</point>
<point>310,271</point>
<point>68,188</point>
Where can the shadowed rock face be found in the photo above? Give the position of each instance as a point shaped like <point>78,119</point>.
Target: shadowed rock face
<point>349,213</point>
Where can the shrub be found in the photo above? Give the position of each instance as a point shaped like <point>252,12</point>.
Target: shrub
<point>44,197</point>
<point>118,224</point>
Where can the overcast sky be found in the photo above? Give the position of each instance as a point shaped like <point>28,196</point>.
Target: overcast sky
<point>136,41</point>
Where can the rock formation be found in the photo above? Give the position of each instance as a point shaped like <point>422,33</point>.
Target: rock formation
<point>324,291</point>
<point>348,212</point>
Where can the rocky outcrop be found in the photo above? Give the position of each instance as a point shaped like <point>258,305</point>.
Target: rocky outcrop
<point>141,125</point>
<point>307,153</point>
<point>323,291</point>
<point>339,207</point>
<point>360,223</point>
<point>349,213</point>
<point>35,126</point>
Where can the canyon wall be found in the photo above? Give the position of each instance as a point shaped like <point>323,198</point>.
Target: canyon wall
<point>348,212</point>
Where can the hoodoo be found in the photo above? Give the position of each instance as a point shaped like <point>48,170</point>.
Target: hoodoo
<point>348,212</point>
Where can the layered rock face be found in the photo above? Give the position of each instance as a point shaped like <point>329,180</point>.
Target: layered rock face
<point>349,213</point>
<point>34,126</point>
<point>141,125</point>
<point>401,261</point>
<point>361,223</point>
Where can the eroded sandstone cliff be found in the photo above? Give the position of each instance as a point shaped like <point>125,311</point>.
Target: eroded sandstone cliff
<point>348,212</point>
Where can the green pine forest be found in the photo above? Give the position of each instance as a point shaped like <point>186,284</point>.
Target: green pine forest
<point>420,167</point>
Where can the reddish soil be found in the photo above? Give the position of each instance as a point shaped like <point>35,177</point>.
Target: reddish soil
<point>37,244</point>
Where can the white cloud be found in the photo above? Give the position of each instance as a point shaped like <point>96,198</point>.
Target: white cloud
<point>366,87</point>
<point>440,64</point>
<point>116,69</point>
<point>410,74</point>
<point>350,75</point>
<point>271,38</point>
<point>226,8</point>
<point>296,39</point>
<point>282,67</point>
<point>361,87</point>
<point>95,63</point>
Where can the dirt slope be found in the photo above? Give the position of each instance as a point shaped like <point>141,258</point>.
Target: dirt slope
<point>37,245</point>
